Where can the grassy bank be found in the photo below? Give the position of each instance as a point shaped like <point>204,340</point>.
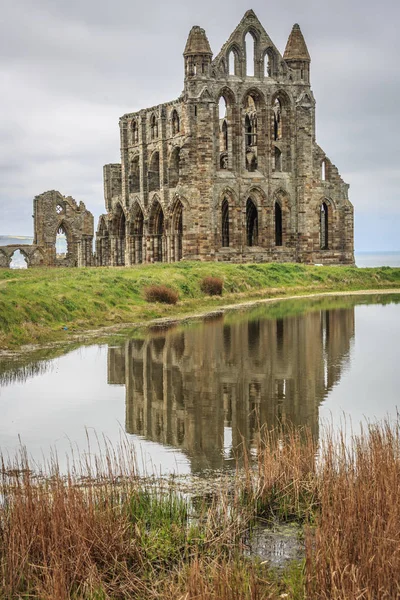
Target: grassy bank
<point>101,532</point>
<point>39,305</point>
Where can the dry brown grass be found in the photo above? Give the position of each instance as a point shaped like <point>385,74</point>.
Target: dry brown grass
<point>102,533</point>
<point>354,551</point>
<point>212,286</point>
<point>161,293</point>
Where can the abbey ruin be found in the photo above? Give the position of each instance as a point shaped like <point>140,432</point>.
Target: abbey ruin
<point>230,171</point>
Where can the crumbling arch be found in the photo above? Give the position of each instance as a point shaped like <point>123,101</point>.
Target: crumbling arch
<point>14,263</point>
<point>251,223</point>
<point>156,232</point>
<point>234,59</point>
<point>177,231</point>
<point>63,229</point>
<point>269,62</point>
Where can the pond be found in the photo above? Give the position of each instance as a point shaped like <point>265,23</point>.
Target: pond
<point>186,397</point>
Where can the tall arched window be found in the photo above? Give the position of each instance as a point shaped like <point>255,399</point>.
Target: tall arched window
<point>267,65</point>
<point>225,223</point>
<point>175,123</point>
<point>232,63</point>
<point>177,231</point>
<point>251,223</point>
<point>278,224</point>
<point>324,229</point>
<point>323,171</point>
<point>277,109</point>
<point>154,127</point>
<point>135,132</point>
<point>224,131</point>
<point>249,42</point>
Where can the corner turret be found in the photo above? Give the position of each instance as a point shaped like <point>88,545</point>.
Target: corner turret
<point>296,54</point>
<point>197,54</point>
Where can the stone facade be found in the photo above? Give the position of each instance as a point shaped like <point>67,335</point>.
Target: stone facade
<point>230,171</point>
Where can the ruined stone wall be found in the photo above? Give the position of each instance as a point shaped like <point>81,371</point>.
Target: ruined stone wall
<point>53,214</point>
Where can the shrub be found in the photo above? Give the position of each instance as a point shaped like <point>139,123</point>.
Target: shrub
<point>161,293</point>
<point>212,286</point>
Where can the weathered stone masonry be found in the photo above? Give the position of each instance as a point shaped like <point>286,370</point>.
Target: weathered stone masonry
<point>230,171</point>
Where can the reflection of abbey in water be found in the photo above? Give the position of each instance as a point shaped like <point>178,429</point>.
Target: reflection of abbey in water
<point>202,389</point>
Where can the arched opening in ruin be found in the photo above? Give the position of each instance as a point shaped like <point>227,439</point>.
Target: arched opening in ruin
<point>62,241</point>
<point>119,236</point>
<point>134,176</point>
<point>175,123</point>
<point>223,133</point>
<point>323,171</point>
<point>251,223</point>
<point>225,224</point>
<point>136,235</point>
<point>177,231</point>
<point>154,173</point>
<point>18,260</point>
<point>278,224</point>
<point>156,230</point>
<point>250,43</point>
<point>277,110</point>
<point>250,131</point>
<point>174,166</point>
<point>267,65</point>
<point>324,226</point>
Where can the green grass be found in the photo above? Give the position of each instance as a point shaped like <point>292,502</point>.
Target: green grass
<point>39,305</point>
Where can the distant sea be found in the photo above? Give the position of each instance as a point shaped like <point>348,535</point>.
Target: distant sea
<point>363,259</point>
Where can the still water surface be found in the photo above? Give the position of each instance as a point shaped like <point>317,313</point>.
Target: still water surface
<point>187,396</point>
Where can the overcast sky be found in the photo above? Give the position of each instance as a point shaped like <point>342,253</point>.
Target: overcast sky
<point>69,69</point>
